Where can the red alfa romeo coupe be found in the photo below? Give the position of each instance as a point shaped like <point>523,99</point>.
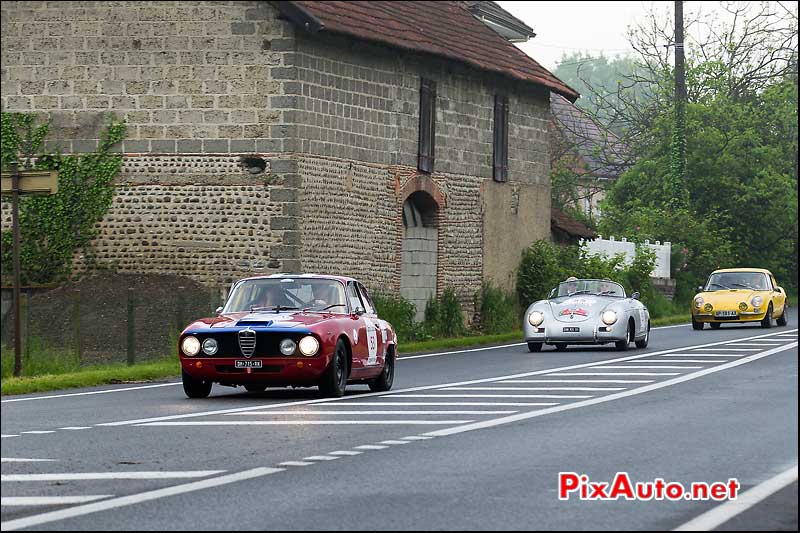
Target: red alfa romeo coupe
<point>300,330</point>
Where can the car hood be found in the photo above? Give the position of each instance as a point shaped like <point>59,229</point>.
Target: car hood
<point>730,299</point>
<point>261,319</point>
<point>580,307</point>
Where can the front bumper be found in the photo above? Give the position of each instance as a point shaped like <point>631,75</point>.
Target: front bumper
<point>274,371</point>
<point>741,316</point>
<point>588,334</point>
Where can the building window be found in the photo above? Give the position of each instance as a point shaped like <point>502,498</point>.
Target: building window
<point>500,138</point>
<point>427,125</point>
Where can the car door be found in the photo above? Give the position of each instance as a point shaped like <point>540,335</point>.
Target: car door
<point>778,298</point>
<point>376,333</point>
<point>360,345</point>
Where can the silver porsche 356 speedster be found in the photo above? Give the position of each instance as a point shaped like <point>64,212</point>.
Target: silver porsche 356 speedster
<point>587,311</point>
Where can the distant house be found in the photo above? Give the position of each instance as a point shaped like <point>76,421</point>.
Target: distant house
<point>594,154</point>
<point>564,229</point>
<point>402,143</point>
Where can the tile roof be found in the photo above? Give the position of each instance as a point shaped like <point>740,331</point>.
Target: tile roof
<point>442,28</point>
<point>570,226</point>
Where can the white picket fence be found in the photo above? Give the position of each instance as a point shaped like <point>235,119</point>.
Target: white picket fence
<point>611,247</point>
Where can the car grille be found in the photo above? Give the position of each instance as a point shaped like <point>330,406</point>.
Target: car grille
<point>247,342</point>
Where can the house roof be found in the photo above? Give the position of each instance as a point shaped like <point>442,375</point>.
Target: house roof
<point>445,29</point>
<point>562,221</point>
<point>604,154</point>
<point>497,18</point>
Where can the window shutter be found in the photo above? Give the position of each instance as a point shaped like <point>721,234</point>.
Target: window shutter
<point>427,125</point>
<point>500,153</point>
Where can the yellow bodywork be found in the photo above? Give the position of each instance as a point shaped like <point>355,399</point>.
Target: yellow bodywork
<point>739,301</point>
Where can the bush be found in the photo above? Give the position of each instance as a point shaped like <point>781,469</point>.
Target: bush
<point>400,313</point>
<point>538,272</point>
<point>445,318</point>
<point>499,312</point>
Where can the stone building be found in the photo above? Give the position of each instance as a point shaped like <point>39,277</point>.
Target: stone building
<point>403,143</point>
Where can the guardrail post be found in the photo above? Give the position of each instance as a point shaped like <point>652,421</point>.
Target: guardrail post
<point>131,339</point>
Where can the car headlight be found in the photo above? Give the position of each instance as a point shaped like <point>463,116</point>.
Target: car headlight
<point>609,317</point>
<point>308,345</point>
<point>535,318</point>
<point>756,301</point>
<point>210,346</point>
<point>288,346</point>
<point>698,302</point>
<point>190,346</point>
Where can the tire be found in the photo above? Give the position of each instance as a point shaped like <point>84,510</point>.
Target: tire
<point>534,346</point>
<point>384,382</point>
<point>767,322</point>
<point>255,387</point>
<point>782,319</point>
<point>643,343</point>
<point>560,346</point>
<point>697,325</point>
<point>334,380</point>
<point>195,388</point>
<point>714,325</point>
<point>623,345</point>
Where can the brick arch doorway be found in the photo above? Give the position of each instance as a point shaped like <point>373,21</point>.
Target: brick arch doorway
<point>419,252</point>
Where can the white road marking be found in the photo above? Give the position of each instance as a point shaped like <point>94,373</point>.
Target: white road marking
<point>655,367</point>
<point>576,381</point>
<point>404,412</point>
<point>535,388</point>
<point>37,432</point>
<point>692,354</point>
<point>614,374</point>
<point>608,398</point>
<point>719,515</point>
<point>401,358</point>
<point>753,344</point>
<point>417,437</point>
<point>8,436</point>
<point>477,404</point>
<point>395,442</point>
<point>89,393</point>
<point>731,349</point>
<point>84,476</point>
<point>686,360</point>
<point>330,401</point>
<point>308,423</point>
<point>371,447</point>
<point>491,396</point>
<point>76,428</point>
<point>321,458</point>
<point>80,510</point>
<point>295,463</point>
<point>20,460</point>
<point>345,453</point>
<point>24,501</point>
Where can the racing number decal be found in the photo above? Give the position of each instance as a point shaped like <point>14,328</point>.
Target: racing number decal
<point>372,343</point>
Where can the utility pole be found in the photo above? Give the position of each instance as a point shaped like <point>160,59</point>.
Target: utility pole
<point>680,196</point>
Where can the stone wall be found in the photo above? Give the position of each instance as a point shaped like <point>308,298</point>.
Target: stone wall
<point>200,77</point>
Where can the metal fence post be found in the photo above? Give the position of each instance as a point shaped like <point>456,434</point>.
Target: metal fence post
<point>25,309</point>
<point>76,319</point>
<point>131,339</point>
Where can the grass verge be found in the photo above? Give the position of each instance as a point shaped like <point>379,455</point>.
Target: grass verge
<point>671,320</point>
<point>459,342</point>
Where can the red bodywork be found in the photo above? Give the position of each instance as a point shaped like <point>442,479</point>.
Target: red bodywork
<point>368,339</point>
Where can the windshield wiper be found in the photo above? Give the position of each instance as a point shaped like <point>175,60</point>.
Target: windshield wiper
<point>323,309</point>
<point>740,285</point>
<point>277,308</point>
<point>718,285</point>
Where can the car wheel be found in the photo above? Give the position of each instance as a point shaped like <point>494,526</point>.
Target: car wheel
<point>643,343</point>
<point>560,346</point>
<point>697,325</point>
<point>714,325</point>
<point>334,380</point>
<point>255,387</point>
<point>767,322</point>
<point>623,345</point>
<point>384,382</point>
<point>782,319</point>
<point>195,388</point>
<point>534,346</point>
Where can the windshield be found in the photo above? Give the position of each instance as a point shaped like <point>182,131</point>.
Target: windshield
<point>754,281</point>
<point>276,294</point>
<point>590,286</point>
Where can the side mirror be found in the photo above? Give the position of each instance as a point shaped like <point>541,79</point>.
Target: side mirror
<point>699,287</point>
<point>635,295</point>
<point>778,289</point>
<point>360,310</point>
<point>218,310</point>
<point>552,293</point>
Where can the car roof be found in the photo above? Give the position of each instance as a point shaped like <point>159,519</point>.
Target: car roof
<point>761,270</point>
<point>293,275</point>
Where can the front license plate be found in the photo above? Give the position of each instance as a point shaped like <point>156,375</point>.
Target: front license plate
<point>572,330</point>
<point>725,313</point>
<point>248,364</point>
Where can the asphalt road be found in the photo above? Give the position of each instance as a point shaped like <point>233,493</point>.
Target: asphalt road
<point>465,440</point>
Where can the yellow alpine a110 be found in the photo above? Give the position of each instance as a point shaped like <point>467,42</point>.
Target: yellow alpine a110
<point>739,295</point>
